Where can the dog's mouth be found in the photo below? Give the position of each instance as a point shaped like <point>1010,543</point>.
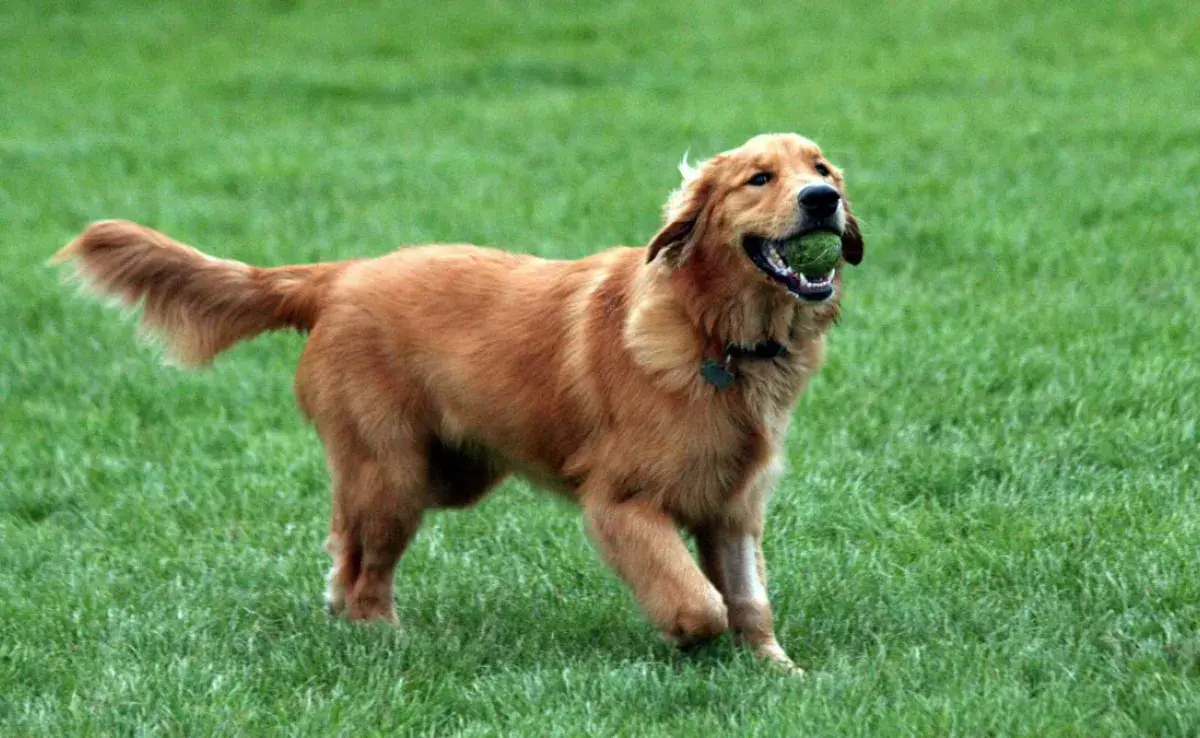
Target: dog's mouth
<point>770,256</point>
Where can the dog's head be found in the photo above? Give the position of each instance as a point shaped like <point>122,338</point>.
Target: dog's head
<point>740,209</point>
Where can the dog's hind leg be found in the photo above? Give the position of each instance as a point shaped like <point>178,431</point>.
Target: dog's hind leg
<point>370,421</point>
<point>377,510</point>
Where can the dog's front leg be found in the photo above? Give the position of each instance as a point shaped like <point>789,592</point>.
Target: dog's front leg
<point>733,560</point>
<point>644,546</point>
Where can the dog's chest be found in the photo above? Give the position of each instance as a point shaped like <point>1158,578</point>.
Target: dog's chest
<point>714,461</point>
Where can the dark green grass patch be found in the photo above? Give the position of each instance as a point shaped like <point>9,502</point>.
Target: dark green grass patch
<point>990,524</point>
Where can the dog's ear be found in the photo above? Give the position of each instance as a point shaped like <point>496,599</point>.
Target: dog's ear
<point>684,213</point>
<point>852,241</point>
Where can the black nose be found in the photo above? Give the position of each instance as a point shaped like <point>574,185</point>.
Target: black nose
<point>819,200</point>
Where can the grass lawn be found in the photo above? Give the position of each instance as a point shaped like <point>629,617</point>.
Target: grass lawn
<point>990,525</point>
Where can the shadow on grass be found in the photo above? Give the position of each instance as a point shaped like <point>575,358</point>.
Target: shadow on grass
<point>518,634</point>
<point>33,509</point>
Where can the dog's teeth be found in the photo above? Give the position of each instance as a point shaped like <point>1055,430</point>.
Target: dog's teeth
<point>829,277</point>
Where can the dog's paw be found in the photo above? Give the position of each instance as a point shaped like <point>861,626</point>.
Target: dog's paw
<point>787,668</point>
<point>367,611</point>
<point>778,660</point>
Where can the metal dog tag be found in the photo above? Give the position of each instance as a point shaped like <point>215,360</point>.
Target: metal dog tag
<point>716,373</point>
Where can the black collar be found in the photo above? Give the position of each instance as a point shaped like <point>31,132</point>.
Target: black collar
<point>768,349</point>
<point>720,373</point>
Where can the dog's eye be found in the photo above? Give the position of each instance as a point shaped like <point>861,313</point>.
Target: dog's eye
<point>760,179</point>
<point>822,169</point>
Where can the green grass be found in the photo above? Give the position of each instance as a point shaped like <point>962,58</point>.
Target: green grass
<point>990,525</point>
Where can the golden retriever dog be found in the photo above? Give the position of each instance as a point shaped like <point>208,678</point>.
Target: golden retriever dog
<point>651,385</point>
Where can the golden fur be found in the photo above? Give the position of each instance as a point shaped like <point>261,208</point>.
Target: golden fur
<point>434,372</point>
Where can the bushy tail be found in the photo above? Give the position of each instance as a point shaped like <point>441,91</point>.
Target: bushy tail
<point>199,304</point>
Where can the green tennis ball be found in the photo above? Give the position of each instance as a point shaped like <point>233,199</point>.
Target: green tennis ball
<point>814,254</point>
